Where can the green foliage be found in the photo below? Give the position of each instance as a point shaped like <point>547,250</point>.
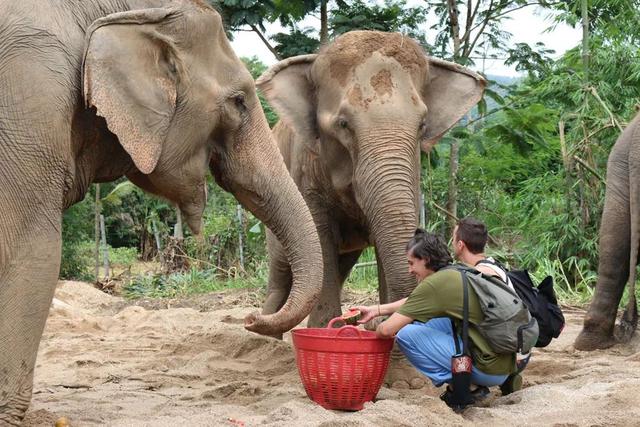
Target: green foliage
<point>295,42</point>
<point>123,257</point>
<point>77,229</point>
<point>181,284</point>
<point>393,16</point>
<point>256,68</point>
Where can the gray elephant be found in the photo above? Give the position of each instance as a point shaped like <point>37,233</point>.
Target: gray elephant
<point>618,247</point>
<point>353,120</point>
<point>151,89</point>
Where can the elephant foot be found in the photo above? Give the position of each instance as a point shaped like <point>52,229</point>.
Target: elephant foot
<point>402,375</point>
<point>592,340</point>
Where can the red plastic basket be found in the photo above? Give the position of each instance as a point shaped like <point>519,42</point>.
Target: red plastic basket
<point>341,368</point>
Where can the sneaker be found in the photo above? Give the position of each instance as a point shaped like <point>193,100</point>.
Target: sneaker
<point>475,396</point>
<point>511,384</point>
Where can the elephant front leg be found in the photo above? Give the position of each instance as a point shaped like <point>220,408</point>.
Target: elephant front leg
<point>280,278</point>
<point>27,284</point>
<point>328,305</point>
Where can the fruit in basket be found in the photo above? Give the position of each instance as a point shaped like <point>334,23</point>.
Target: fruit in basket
<point>351,317</point>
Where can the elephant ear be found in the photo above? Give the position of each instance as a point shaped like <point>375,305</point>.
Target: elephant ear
<point>289,89</point>
<point>129,75</point>
<point>449,92</point>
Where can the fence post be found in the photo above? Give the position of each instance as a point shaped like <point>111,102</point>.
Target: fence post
<point>177,229</point>
<point>240,240</point>
<point>105,249</point>
<point>423,214</point>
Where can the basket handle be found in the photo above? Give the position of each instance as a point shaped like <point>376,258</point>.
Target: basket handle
<point>343,328</point>
<point>334,320</point>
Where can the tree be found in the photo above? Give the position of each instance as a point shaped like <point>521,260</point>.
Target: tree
<point>477,36</point>
<point>251,15</point>
<point>394,16</point>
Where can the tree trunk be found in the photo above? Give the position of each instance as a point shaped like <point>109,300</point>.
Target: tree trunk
<point>455,28</point>
<point>266,42</point>
<point>452,199</point>
<point>324,24</point>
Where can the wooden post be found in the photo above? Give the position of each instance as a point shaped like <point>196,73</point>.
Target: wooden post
<point>105,249</point>
<point>177,229</point>
<point>240,242</point>
<point>423,214</point>
<point>96,253</point>
<point>156,234</point>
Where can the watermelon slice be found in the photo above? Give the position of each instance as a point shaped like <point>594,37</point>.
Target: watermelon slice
<point>351,317</point>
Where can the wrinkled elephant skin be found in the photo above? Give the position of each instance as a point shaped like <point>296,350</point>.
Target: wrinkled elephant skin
<point>353,120</point>
<point>94,90</point>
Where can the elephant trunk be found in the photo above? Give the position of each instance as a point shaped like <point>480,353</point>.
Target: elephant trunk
<point>288,217</point>
<point>259,179</point>
<point>387,189</point>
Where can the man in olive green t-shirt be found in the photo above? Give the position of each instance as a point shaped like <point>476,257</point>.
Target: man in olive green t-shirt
<point>421,322</point>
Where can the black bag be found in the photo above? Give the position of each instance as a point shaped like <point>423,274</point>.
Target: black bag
<point>541,302</point>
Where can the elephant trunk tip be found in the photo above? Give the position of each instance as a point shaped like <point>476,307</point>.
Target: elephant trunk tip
<point>268,324</point>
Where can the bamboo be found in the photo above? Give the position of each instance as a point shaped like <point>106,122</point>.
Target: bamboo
<point>611,116</point>
<point>585,165</point>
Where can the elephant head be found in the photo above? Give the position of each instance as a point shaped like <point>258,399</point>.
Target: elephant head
<point>181,103</point>
<point>364,106</point>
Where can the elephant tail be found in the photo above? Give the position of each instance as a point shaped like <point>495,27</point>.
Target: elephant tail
<point>629,321</point>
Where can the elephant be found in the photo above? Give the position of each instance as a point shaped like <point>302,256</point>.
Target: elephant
<point>617,247</point>
<point>148,89</point>
<point>353,119</point>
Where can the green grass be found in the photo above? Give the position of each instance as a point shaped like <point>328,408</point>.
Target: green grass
<point>364,278</point>
<point>184,284</point>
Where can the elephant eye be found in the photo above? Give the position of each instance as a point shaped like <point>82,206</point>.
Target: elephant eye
<point>422,128</point>
<point>342,123</point>
<point>240,101</point>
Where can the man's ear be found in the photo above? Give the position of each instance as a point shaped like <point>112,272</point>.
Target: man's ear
<point>289,89</point>
<point>449,92</point>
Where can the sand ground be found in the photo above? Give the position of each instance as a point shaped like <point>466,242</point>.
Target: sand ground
<point>103,361</point>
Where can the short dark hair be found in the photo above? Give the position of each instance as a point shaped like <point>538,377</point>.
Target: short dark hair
<point>430,248</point>
<point>473,233</point>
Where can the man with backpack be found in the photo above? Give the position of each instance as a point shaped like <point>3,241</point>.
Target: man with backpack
<point>469,239</point>
<point>444,305</point>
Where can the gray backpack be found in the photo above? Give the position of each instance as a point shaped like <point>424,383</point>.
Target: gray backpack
<point>507,325</point>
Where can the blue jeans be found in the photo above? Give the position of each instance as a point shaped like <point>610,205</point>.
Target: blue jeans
<point>429,347</point>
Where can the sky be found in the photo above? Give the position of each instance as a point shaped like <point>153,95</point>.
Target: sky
<point>527,25</point>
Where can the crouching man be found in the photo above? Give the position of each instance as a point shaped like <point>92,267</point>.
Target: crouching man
<point>422,322</point>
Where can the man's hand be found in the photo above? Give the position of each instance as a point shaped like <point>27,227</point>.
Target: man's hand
<point>367,313</point>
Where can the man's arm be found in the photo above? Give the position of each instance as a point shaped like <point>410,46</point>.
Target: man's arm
<point>390,327</point>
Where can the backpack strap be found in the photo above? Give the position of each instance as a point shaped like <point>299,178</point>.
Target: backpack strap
<point>465,318</point>
<point>465,312</point>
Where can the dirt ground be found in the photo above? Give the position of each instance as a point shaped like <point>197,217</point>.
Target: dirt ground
<point>103,361</point>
